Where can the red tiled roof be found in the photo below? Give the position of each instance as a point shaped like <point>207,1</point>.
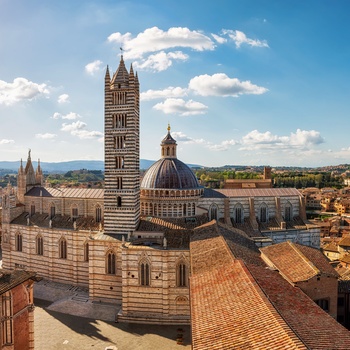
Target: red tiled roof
<point>317,329</point>
<point>345,242</point>
<point>331,247</point>
<point>229,311</point>
<point>237,305</point>
<point>296,262</point>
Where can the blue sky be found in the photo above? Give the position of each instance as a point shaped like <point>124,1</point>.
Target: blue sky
<point>240,82</point>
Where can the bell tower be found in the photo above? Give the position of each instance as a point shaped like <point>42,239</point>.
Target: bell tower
<point>122,152</point>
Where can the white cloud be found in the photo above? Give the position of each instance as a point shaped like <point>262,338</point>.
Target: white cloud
<point>64,98</point>
<point>21,89</point>
<point>166,93</point>
<point>240,38</point>
<point>46,136</point>
<point>222,146</point>
<point>221,85</point>
<point>154,39</point>
<point>219,39</point>
<point>78,129</point>
<point>181,107</point>
<point>6,141</point>
<point>160,61</point>
<point>181,137</point>
<point>93,67</point>
<point>69,116</point>
<point>73,127</point>
<point>301,139</point>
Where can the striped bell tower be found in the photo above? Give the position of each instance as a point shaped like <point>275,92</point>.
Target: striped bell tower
<point>122,152</point>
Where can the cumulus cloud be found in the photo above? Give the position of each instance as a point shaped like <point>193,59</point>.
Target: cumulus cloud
<point>155,39</point>
<point>156,50</point>
<point>93,67</point>
<point>46,136</point>
<point>20,90</point>
<point>221,85</point>
<point>78,129</point>
<point>182,137</point>
<point>222,146</point>
<point>170,92</point>
<point>301,139</point>
<point>240,38</point>
<point>181,107</point>
<point>6,141</point>
<point>219,39</point>
<point>64,98</point>
<point>160,61</point>
<point>69,116</point>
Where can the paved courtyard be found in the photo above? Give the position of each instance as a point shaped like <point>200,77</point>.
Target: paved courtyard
<point>66,319</point>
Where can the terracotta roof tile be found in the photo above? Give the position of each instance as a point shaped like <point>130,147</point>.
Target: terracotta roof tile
<point>317,329</point>
<point>229,311</point>
<point>297,262</point>
<point>345,242</point>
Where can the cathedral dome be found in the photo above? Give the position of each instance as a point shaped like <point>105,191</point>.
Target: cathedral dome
<point>169,173</point>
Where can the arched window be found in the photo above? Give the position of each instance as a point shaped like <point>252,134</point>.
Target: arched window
<point>213,212</point>
<point>144,273</point>
<point>39,244</point>
<point>110,263</point>
<point>52,211</point>
<point>75,213</point>
<point>119,201</point>
<point>18,241</point>
<point>263,213</point>
<point>98,214</point>
<point>239,216</point>
<point>86,251</point>
<point>181,275</point>
<point>288,212</point>
<point>63,248</point>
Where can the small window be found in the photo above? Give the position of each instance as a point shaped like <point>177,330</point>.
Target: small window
<point>39,245</point>
<point>110,264</point>
<point>52,212</point>
<point>119,201</point>
<point>63,249</point>
<point>144,274</point>
<point>323,304</point>
<point>74,213</point>
<point>181,275</point>
<point>32,209</point>
<point>86,252</point>
<point>18,241</point>
<point>98,214</point>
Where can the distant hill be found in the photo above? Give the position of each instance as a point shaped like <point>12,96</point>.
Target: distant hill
<point>63,167</point>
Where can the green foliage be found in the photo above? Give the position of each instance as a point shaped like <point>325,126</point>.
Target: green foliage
<point>307,179</point>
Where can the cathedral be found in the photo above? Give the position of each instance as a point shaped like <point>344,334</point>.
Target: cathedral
<point>135,243</point>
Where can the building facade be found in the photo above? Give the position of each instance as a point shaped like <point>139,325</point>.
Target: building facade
<point>130,243</point>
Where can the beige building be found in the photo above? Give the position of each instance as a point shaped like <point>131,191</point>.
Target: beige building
<point>130,242</point>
